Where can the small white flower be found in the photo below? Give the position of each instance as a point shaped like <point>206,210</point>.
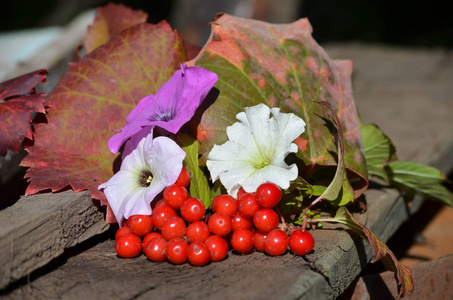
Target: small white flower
<point>256,149</point>
<point>145,172</point>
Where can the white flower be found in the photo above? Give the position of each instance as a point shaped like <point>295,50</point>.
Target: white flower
<point>256,149</point>
<point>145,172</point>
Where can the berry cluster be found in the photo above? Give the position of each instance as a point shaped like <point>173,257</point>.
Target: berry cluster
<point>176,232</point>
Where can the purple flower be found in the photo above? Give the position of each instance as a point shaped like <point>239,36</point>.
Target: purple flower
<point>172,106</point>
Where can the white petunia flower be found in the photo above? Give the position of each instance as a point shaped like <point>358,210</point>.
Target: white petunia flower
<point>256,149</point>
<point>145,172</point>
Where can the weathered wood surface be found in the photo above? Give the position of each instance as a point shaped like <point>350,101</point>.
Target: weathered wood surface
<point>408,93</point>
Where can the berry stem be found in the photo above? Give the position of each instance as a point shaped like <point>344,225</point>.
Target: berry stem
<point>304,213</point>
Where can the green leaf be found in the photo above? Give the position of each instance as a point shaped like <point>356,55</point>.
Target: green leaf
<point>381,250</point>
<point>415,178</point>
<point>199,187</point>
<point>379,150</point>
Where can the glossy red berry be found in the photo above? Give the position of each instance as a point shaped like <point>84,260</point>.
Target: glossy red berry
<point>193,210</point>
<point>155,249</point>
<point>247,205</point>
<point>176,251</point>
<point>242,240</point>
<point>219,224</point>
<point>268,194</point>
<point>258,240</point>
<point>240,222</point>
<point>276,242</point>
<point>240,193</point>
<point>224,204</point>
<point>149,237</point>
<point>197,231</point>
<point>198,254</point>
<point>140,225</point>
<point>184,178</point>
<point>173,227</point>
<point>161,214</point>
<point>175,195</point>
<point>265,220</point>
<point>156,204</point>
<point>122,231</point>
<point>128,245</point>
<point>301,242</point>
<point>218,247</point>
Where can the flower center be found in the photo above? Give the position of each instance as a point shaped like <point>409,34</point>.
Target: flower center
<point>145,178</point>
<point>162,115</point>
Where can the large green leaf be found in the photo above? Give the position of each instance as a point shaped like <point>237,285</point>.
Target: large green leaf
<point>281,66</point>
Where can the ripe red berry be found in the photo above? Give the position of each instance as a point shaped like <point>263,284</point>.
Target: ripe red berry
<point>198,254</point>
<point>156,204</point>
<point>219,224</point>
<point>242,240</point>
<point>173,227</point>
<point>268,194</point>
<point>301,242</point>
<point>224,204</point>
<point>176,251</point>
<point>265,220</point>
<point>175,195</point>
<point>161,214</point>
<point>197,231</point>
<point>240,222</point>
<point>218,247</point>
<point>193,210</point>
<point>155,249</point>
<point>140,225</point>
<point>247,205</point>
<point>240,193</point>
<point>258,240</point>
<point>276,242</point>
<point>121,231</point>
<point>184,178</point>
<point>149,237</point>
<point>128,245</point>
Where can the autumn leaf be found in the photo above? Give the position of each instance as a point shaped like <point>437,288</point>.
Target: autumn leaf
<point>381,250</point>
<point>110,21</point>
<point>281,65</point>
<point>17,101</point>
<point>93,97</point>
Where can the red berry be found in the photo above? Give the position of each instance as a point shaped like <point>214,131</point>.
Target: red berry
<point>197,231</point>
<point>240,222</point>
<point>265,220</point>
<point>176,251</point>
<point>184,178</point>
<point>198,254</point>
<point>276,242</point>
<point>173,227</point>
<point>122,231</point>
<point>128,245</point>
<point>258,240</point>
<point>240,193</point>
<point>301,242</point>
<point>218,247</point>
<point>219,224</point>
<point>268,194</point>
<point>224,204</point>
<point>155,249</point>
<point>149,237</point>
<point>175,195</point>
<point>156,204</point>
<point>140,225</point>
<point>193,210</point>
<point>161,214</point>
<point>247,205</point>
<point>242,240</point>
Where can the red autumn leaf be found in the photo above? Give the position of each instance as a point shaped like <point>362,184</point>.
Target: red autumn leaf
<point>381,251</point>
<point>110,21</point>
<point>281,65</point>
<point>93,97</point>
<point>17,101</point>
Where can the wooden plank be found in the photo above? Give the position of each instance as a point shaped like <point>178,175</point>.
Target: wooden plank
<point>39,228</point>
<point>407,92</point>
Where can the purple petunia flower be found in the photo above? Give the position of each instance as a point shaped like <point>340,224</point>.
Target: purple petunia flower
<point>172,106</point>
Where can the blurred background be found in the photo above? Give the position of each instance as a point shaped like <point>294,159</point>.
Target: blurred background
<point>411,23</point>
